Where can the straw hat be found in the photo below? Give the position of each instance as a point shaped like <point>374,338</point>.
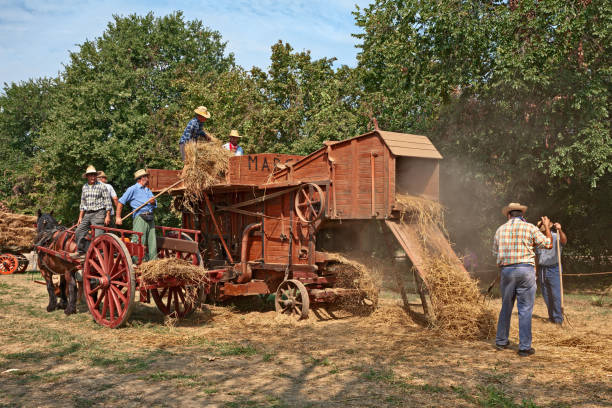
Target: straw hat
<point>513,207</point>
<point>101,174</point>
<point>140,173</point>
<point>90,169</point>
<point>234,133</point>
<point>202,111</point>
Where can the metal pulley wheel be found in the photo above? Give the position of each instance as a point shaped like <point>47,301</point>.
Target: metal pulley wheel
<point>309,202</point>
<point>292,299</point>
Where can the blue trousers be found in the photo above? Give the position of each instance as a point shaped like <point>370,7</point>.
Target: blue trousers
<point>518,282</point>
<point>550,283</point>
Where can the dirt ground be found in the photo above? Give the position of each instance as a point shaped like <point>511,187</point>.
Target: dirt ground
<point>248,357</point>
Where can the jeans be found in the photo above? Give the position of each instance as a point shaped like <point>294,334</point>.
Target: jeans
<point>89,219</point>
<point>550,283</point>
<point>148,236</point>
<point>517,282</point>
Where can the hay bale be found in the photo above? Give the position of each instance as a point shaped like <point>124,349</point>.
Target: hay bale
<point>205,165</point>
<point>455,296</point>
<point>154,271</point>
<point>17,232</point>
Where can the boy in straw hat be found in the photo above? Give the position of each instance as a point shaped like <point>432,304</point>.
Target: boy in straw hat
<point>232,145</point>
<point>514,245</point>
<point>194,130</point>
<point>95,209</point>
<point>144,222</point>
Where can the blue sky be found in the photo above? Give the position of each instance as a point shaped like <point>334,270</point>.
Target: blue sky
<point>36,35</point>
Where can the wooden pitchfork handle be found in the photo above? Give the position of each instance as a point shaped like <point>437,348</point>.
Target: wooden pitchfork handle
<point>155,197</point>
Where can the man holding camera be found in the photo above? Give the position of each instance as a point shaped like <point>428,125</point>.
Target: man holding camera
<point>547,262</point>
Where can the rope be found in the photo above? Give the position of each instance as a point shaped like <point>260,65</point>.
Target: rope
<point>587,274</point>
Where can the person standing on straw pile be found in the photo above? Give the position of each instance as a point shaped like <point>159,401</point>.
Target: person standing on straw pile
<point>144,222</point>
<point>103,179</point>
<point>194,130</point>
<point>232,145</point>
<point>95,209</point>
<point>548,273</point>
<point>514,245</point>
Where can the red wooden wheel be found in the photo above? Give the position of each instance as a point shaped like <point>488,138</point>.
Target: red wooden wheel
<point>8,264</point>
<point>108,281</point>
<point>309,202</point>
<point>178,301</point>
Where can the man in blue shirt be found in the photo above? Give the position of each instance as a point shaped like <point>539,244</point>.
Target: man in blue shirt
<point>194,130</point>
<point>137,195</point>
<point>548,274</point>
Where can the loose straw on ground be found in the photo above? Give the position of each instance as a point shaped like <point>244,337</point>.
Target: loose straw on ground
<point>351,274</point>
<point>454,294</point>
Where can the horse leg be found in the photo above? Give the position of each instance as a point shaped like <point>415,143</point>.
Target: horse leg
<point>50,289</point>
<point>71,282</point>
<point>63,300</point>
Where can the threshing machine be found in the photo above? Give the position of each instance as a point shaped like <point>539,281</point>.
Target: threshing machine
<point>261,225</point>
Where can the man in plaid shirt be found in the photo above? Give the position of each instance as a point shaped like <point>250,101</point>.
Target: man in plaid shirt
<point>514,246</point>
<point>95,209</point>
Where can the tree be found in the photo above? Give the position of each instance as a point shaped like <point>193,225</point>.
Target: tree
<point>24,107</point>
<point>517,95</point>
<point>114,88</point>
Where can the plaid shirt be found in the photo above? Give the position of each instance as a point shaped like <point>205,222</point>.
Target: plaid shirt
<point>193,131</point>
<point>95,197</point>
<point>515,242</point>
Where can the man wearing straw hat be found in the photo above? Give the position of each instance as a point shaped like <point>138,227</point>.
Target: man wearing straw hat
<point>232,145</point>
<point>548,273</point>
<point>95,209</point>
<point>194,130</point>
<point>144,222</point>
<point>514,245</point>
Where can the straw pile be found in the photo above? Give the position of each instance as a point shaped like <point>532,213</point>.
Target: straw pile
<point>17,231</point>
<point>180,269</point>
<point>454,294</point>
<point>351,274</point>
<point>205,165</point>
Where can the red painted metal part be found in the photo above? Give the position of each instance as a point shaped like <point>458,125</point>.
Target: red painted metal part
<point>246,272</point>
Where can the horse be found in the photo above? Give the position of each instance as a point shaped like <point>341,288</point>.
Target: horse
<point>52,235</point>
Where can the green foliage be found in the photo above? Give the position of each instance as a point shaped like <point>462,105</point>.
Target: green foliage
<point>516,95</point>
<point>113,90</point>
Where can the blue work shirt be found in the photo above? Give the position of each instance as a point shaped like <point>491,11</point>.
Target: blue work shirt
<point>548,257</point>
<point>136,196</point>
<point>193,131</point>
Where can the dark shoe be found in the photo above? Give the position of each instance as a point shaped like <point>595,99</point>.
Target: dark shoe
<point>526,353</point>
<point>502,346</point>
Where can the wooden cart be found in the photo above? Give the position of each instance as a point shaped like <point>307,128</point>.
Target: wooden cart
<point>111,280</point>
